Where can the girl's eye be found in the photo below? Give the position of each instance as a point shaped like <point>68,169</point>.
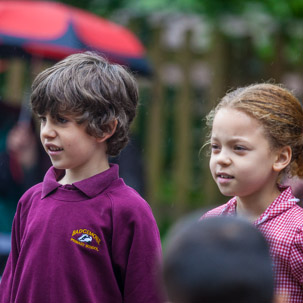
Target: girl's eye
<point>214,147</point>
<point>240,148</point>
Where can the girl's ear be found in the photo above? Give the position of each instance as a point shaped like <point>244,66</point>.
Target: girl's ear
<point>112,125</point>
<point>280,299</point>
<point>283,158</point>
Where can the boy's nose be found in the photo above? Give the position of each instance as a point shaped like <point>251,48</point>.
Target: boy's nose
<point>47,130</point>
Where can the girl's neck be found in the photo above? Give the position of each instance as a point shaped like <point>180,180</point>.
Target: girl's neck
<point>252,207</point>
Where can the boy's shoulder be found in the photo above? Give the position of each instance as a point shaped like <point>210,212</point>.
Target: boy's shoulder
<point>31,192</point>
<point>126,201</point>
<point>125,196</point>
<point>27,199</point>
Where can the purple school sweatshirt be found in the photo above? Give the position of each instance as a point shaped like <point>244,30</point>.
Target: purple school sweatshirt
<point>95,241</point>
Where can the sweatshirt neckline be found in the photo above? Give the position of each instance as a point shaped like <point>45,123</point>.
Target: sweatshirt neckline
<point>90,187</point>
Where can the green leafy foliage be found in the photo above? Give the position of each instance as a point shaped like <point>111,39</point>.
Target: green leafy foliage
<point>282,9</point>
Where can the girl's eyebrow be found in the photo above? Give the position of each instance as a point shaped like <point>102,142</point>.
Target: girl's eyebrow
<point>232,140</point>
<point>237,139</point>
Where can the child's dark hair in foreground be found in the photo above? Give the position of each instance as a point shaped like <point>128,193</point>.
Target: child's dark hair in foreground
<point>82,235</point>
<point>219,259</point>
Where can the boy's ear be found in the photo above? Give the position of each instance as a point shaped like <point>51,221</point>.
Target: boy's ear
<point>112,125</point>
<point>283,158</point>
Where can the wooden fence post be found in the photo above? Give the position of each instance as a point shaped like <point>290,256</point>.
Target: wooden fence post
<point>183,130</point>
<point>154,140</point>
<point>14,81</point>
<point>277,66</point>
<point>218,59</point>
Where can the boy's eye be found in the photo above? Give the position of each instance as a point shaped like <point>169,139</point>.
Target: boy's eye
<point>62,120</point>
<point>42,119</point>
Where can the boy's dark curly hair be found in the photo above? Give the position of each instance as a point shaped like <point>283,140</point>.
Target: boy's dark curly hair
<point>93,91</point>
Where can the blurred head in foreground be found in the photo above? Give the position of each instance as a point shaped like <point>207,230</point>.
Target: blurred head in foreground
<point>218,259</point>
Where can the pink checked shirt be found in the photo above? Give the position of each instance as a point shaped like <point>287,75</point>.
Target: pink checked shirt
<point>282,226</point>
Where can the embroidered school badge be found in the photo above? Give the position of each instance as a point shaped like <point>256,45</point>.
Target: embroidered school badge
<point>86,238</point>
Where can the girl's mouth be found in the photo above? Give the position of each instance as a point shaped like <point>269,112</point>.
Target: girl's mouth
<point>224,176</point>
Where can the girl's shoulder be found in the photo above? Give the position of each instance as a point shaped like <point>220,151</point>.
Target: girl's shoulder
<point>296,214</point>
<point>228,208</point>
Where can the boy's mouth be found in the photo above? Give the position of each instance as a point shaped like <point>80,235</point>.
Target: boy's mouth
<point>224,176</point>
<point>53,148</point>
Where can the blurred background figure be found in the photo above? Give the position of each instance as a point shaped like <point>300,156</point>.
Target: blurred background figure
<point>22,164</point>
<point>221,259</point>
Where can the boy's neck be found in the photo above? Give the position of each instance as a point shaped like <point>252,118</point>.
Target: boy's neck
<point>72,176</point>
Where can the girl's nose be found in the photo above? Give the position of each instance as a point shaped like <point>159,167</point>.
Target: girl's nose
<point>224,158</point>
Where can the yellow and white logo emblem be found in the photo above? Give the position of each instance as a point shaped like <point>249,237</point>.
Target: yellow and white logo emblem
<point>86,238</point>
